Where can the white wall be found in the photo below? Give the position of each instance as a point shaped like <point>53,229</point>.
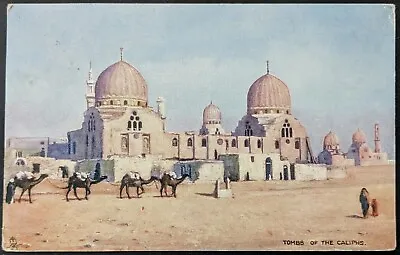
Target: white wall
<point>308,172</point>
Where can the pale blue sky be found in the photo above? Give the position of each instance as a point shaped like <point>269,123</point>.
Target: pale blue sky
<point>337,60</point>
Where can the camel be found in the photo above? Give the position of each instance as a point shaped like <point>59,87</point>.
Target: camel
<point>167,180</point>
<point>133,179</point>
<point>75,182</point>
<point>24,184</point>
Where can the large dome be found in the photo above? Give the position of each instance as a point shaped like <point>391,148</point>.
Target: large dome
<point>121,84</point>
<point>359,137</point>
<point>268,94</point>
<point>330,140</point>
<point>211,114</point>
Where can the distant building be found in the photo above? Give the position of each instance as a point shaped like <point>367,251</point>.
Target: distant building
<point>362,154</point>
<point>331,153</point>
<point>19,147</point>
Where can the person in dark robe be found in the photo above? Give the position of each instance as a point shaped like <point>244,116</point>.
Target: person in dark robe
<point>10,191</point>
<point>365,201</point>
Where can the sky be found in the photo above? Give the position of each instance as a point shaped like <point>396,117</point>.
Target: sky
<point>337,60</point>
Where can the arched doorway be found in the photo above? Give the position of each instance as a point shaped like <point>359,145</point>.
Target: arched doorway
<point>285,173</point>
<point>268,169</point>
<point>215,154</point>
<point>292,172</point>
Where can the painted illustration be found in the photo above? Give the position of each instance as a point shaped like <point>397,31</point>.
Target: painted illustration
<point>199,127</point>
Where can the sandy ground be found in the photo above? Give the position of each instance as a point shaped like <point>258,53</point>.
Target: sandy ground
<point>259,217</point>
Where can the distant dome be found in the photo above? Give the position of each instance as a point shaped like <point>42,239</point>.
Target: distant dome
<point>268,94</point>
<point>331,140</point>
<point>359,137</point>
<point>211,114</point>
<point>121,81</point>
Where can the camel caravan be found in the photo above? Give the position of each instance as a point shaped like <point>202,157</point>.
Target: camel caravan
<point>26,181</point>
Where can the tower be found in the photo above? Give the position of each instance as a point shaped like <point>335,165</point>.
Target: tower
<point>161,110</point>
<point>377,139</point>
<point>161,107</point>
<point>90,96</point>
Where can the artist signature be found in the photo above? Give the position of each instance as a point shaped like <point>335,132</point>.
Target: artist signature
<point>13,242</point>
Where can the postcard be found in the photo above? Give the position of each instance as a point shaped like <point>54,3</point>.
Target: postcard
<point>157,127</point>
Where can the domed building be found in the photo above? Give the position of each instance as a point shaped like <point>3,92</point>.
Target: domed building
<point>211,121</point>
<point>331,153</point>
<point>269,119</point>
<point>120,126</point>
<point>362,154</point>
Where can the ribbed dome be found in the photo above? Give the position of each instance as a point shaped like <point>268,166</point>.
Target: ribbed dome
<point>268,93</point>
<point>211,113</point>
<point>359,137</point>
<point>331,140</point>
<point>121,80</point>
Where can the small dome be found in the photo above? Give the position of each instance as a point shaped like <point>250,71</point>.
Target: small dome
<point>359,137</point>
<point>211,114</point>
<point>331,140</point>
<point>268,93</point>
<point>121,81</point>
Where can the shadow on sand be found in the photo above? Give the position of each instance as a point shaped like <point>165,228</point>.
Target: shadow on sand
<point>355,216</point>
<point>205,194</point>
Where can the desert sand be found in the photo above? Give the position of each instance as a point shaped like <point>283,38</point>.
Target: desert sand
<point>261,216</point>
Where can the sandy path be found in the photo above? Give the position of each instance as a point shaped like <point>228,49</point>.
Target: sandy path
<point>259,217</point>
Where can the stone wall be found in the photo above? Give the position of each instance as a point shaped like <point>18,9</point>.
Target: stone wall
<point>309,172</point>
<point>89,166</point>
<point>200,170</point>
<point>47,165</point>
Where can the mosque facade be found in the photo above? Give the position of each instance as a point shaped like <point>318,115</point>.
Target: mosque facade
<point>119,121</point>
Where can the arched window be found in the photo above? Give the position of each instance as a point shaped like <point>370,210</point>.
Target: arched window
<point>203,142</point>
<point>140,125</point>
<point>125,102</point>
<point>174,142</point>
<point>234,143</point>
<point>74,148</point>
<point>129,125</point>
<point>286,132</point>
<point>259,143</point>
<point>246,143</point>
<point>190,142</point>
<point>111,102</point>
<point>93,146</point>
<point>134,125</point>
<point>276,144</point>
<point>88,125</point>
<point>283,132</point>
<point>87,140</point>
<point>290,132</point>
<point>94,125</point>
<point>287,112</point>
<point>297,145</point>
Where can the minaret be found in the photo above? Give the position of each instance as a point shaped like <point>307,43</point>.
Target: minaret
<point>161,110</point>
<point>161,107</point>
<point>90,95</point>
<point>376,139</point>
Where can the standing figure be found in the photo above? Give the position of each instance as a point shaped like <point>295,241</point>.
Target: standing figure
<point>374,205</point>
<point>365,201</point>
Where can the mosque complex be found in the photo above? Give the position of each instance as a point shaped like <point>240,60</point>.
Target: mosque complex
<point>268,142</point>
